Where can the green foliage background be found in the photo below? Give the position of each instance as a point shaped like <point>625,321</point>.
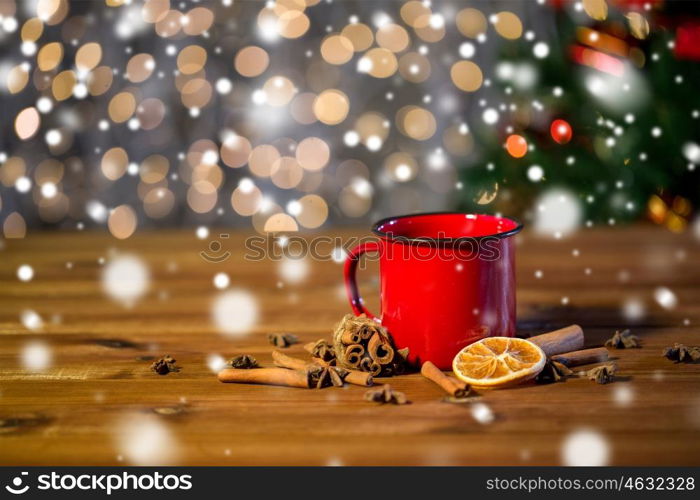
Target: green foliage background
<point>597,169</point>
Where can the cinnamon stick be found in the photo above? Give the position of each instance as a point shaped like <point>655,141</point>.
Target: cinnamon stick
<point>455,388</point>
<point>350,337</point>
<point>283,361</point>
<point>371,366</point>
<point>353,354</point>
<point>355,377</point>
<point>352,377</point>
<point>582,357</point>
<point>566,339</point>
<point>380,350</point>
<point>366,331</point>
<point>267,376</point>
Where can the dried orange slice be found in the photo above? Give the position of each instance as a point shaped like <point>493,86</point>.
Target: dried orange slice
<point>496,362</point>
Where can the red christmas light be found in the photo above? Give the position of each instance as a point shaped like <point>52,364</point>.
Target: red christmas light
<point>688,41</point>
<point>561,131</point>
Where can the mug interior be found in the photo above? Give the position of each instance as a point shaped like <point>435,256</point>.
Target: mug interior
<point>446,226</point>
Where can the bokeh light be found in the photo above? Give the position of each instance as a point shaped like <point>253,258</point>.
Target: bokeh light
<point>516,145</point>
<point>471,22</point>
<point>122,222</point>
<point>508,25</point>
<point>466,75</point>
<point>251,61</point>
<point>331,107</point>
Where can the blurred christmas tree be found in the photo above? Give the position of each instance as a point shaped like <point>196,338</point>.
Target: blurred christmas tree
<point>603,128</point>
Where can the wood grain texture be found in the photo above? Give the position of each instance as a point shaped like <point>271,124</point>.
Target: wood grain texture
<point>98,403</point>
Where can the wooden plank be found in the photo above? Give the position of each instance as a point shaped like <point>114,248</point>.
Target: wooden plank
<point>98,403</point>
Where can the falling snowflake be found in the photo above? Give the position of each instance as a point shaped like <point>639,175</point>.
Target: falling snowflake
<point>235,312</point>
<point>125,279</point>
<point>585,447</point>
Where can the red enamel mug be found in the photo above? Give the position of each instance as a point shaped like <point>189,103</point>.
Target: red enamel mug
<point>446,280</point>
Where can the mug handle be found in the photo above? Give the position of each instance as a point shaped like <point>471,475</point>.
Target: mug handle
<point>350,270</point>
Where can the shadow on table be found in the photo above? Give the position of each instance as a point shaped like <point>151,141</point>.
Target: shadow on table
<point>599,323</point>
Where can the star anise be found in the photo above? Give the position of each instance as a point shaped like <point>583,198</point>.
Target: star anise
<point>165,365</point>
<point>386,395</point>
<point>325,376</point>
<point>623,340</point>
<point>400,364</point>
<point>282,339</point>
<point>603,374</point>
<point>244,361</point>
<point>390,370</point>
<point>553,371</point>
<point>680,353</point>
<point>322,350</point>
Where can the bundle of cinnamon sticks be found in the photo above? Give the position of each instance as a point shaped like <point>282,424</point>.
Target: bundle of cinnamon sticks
<point>360,350</point>
<point>360,343</point>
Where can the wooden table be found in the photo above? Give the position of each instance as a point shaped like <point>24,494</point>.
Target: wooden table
<point>98,402</point>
